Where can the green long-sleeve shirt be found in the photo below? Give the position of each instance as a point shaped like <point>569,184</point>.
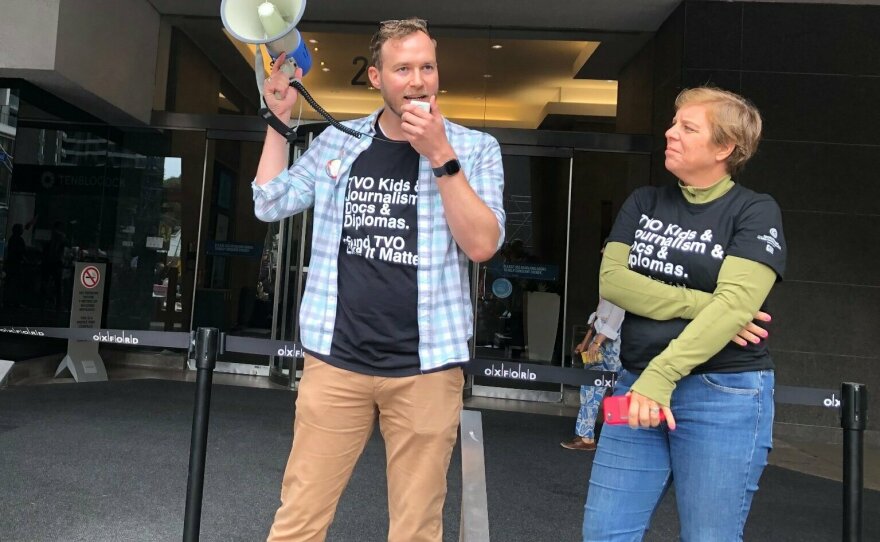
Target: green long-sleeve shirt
<point>716,317</point>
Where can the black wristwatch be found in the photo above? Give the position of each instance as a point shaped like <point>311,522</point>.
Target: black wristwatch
<point>449,168</point>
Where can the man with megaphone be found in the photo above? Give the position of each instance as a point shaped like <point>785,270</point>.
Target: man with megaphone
<point>386,315</point>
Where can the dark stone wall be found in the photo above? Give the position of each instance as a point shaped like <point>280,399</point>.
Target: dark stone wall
<point>813,72</point>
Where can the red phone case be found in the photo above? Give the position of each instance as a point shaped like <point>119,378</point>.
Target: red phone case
<point>616,410</point>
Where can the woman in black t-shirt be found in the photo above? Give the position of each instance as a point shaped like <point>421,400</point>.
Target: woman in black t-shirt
<point>692,265</point>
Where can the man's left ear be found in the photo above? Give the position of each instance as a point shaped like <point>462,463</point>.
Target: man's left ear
<point>373,74</point>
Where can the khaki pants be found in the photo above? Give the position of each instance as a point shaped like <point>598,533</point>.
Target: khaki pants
<point>335,414</point>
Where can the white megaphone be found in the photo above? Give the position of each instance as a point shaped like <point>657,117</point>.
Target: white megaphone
<point>272,24</point>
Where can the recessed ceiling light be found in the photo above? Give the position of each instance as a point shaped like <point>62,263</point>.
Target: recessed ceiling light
<point>322,62</point>
<point>316,48</point>
<point>487,75</point>
<point>443,91</point>
<point>497,46</point>
<point>325,69</point>
<point>313,40</point>
<point>222,96</point>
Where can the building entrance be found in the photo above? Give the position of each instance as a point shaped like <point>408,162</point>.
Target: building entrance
<point>250,274</point>
<point>520,293</point>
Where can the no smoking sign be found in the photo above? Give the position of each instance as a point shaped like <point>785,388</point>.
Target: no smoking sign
<point>90,277</point>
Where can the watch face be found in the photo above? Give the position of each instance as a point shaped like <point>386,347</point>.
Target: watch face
<point>449,168</point>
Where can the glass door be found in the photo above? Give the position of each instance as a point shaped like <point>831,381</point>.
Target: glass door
<point>234,279</point>
<point>294,239</point>
<point>520,293</point>
<point>12,251</point>
<point>250,274</point>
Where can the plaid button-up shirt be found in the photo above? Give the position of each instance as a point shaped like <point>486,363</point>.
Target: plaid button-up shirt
<point>444,311</point>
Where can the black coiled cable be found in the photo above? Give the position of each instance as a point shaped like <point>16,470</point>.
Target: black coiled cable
<point>333,122</point>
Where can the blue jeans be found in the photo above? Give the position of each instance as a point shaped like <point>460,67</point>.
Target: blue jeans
<point>591,396</point>
<point>714,457</point>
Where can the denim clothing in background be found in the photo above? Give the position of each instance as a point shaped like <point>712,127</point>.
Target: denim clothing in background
<point>605,321</point>
<point>715,456</point>
<point>444,312</point>
<point>591,396</point>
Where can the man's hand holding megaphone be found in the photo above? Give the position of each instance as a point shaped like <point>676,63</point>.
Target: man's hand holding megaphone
<point>280,97</point>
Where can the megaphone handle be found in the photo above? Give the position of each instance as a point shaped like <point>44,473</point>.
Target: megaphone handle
<point>289,69</point>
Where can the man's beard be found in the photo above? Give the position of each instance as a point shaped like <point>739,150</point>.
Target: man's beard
<point>391,106</point>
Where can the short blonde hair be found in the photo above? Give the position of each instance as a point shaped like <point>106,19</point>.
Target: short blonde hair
<point>734,119</point>
<point>395,29</point>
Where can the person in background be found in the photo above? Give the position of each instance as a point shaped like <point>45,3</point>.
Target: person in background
<point>386,316</point>
<point>601,346</point>
<point>692,265</point>
<point>52,267</point>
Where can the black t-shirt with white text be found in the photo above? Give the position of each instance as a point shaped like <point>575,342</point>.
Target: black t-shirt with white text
<point>683,244</point>
<point>376,329</point>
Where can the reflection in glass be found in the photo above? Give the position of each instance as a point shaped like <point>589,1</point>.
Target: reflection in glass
<point>519,291</point>
<point>12,243</point>
<point>82,195</point>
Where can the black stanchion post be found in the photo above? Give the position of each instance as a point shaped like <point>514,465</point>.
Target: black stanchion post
<point>207,345</point>
<point>853,420</point>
